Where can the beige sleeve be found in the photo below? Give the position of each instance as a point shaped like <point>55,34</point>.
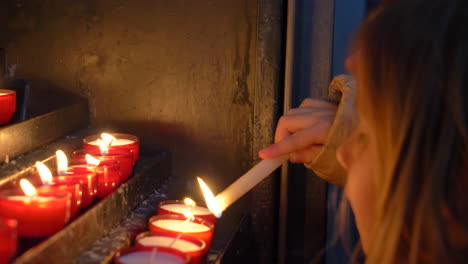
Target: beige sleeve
<point>342,90</point>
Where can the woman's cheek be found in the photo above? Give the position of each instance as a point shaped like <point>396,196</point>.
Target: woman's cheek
<point>361,192</point>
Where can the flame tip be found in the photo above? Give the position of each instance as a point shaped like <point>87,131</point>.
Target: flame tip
<point>107,138</point>
<point>90,160</point>
<point>44,172</point>
<point>189,202</point>
<point>28,188</point>
<point>62,162</point>
<point>211,201</point>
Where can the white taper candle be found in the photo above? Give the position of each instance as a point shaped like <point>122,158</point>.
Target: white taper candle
<point>247,181</point>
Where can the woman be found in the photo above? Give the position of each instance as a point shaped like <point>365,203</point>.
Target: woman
<point>407,159</point>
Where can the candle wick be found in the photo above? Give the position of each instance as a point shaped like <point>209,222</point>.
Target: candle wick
<point>173,241</point>
<point>153,255</point>
<point>110,142</point>
<point>189,219</point>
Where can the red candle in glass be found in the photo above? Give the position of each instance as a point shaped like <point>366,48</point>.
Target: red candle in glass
<point>194,247</point>
<point>178,207</point>
<point>8,239</point>
<point>38,216</point>
<point>74,189</point>
<point>196,227</point>
<point>84,176</point>
<point>127,141</point>
<point>7,105</point>
<point>108,177</point>
<point>150,255</point>
<point>123,156</point>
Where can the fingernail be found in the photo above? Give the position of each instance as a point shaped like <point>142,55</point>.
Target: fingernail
<point>263,153</point>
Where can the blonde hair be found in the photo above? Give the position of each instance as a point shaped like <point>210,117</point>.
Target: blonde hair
<point>413,92</point>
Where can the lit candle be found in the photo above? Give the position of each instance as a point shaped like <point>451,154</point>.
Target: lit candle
<point>181,207</point>
<point>194,247</point>
<point>109,175</point>
<point>114,140</point>
<point>52,187</point>
<point>37,216</point>
<point>74,189</point>
<point>155,255</point>
<point>8,105</point>
<point>194,226</point>
<point>122,156</point>
<point>86,177</point>
<point>8,239</point>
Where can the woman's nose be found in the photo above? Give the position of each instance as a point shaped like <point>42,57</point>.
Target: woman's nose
<point>351,62</point>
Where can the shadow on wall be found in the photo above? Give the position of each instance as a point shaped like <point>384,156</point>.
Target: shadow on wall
<point>193,154</point>
<point>45,97</point>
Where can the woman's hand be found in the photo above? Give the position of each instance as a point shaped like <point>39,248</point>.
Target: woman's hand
<point>302,131</point>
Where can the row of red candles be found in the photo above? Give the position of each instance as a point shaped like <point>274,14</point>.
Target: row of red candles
<point>181,232</point>
<point>44,210</point>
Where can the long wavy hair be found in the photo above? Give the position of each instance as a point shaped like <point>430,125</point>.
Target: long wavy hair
<point>413,92</point>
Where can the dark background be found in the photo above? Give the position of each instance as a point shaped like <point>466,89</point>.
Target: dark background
<point>202,79</point>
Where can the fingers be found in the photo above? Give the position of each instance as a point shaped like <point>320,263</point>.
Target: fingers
<point>309,102</point>
<point>297,141</point>
<point>305,155</point>
<point>291,123</point>
<point>302,110</point>
<point>302,128</point>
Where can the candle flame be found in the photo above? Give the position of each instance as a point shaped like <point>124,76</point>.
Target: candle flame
<point>44,173</point>
<point>189,202</point>
<point>62,162</point>
<point>107,138</point>
<point>189,215</point>
<point>210,199</point>
<point>92,161</point>
<point>103,146</point>
<point>28,188</point>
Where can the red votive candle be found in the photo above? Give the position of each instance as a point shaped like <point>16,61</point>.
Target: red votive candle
<point>196,227</point>
<point>74,189</point>
<point>123,156</point>
<point>150,255</point>
<point>84,176</point>
<point>7,105</point>
<point>194,247</point>
<point>127,141</point>
<point>108,177</point>
<point>178,207</point>
<point>8,239</point>
<point>38,216</point>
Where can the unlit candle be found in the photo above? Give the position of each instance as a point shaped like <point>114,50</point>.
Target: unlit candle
<point>142,257</point>
<point>162,241</point>
<point>180,226</point>
<point>182,208</point>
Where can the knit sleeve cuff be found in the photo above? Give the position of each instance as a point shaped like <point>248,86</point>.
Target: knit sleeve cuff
<point>342,91</point>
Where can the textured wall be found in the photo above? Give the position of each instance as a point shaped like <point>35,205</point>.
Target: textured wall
<point>177,73</point>
<point>199,78</point>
